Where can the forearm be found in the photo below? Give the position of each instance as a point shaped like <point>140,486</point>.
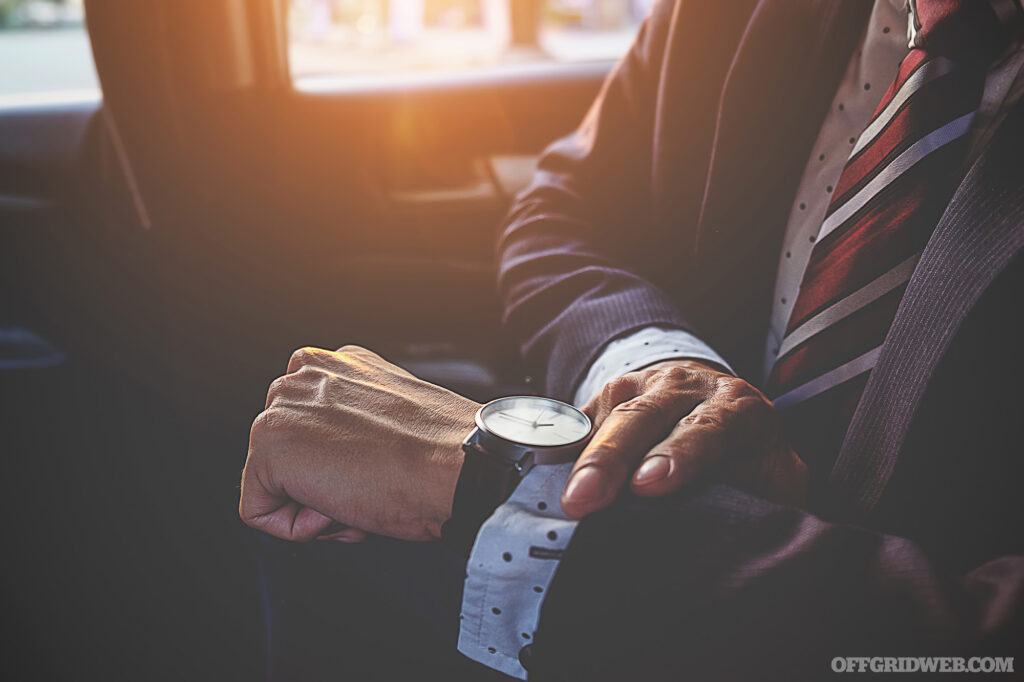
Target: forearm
<point>571,253</point>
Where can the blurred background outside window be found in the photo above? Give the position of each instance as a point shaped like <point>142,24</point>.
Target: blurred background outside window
<point>45,51</point>
<point>364,37</point>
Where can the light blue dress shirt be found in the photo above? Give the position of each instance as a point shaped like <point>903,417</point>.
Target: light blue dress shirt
<point>518,548</point>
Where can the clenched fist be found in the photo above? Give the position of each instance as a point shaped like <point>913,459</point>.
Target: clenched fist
<point>350,444</point>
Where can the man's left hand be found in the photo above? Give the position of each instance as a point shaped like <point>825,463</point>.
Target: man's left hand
<point>350,444</point>
<point>660,428</point>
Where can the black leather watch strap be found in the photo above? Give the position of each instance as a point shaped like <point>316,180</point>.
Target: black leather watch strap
<point>485,482</point>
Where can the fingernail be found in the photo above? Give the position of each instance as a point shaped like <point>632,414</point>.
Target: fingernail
<point>588,484</point>
<point>652,470</point>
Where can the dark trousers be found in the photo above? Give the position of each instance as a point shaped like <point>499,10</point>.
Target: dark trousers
<point>379,610</point>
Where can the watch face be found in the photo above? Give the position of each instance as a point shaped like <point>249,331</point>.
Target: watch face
<point>540,422</point>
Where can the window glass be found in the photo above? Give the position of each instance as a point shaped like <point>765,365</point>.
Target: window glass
<point>580,30</point>
<point>45,52</point>
<point>338,37</point>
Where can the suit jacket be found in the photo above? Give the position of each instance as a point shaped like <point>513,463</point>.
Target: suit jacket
<point>667,206</point>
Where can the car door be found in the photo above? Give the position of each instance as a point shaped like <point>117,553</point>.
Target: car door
<point>317,190</point>
<point>259,175</point>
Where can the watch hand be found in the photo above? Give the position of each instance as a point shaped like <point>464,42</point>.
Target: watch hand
<point>540,415</point>
<point>521,420</point>
<point>518,419</point>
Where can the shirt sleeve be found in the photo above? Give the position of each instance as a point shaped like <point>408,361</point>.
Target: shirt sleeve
<point>640,349</point>
<point>512,563</point>
<point>519,547</point>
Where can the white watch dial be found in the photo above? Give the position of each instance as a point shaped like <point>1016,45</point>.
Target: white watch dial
<point>540,422</point>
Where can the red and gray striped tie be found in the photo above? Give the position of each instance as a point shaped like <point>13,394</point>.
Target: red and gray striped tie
<point>894,188</point>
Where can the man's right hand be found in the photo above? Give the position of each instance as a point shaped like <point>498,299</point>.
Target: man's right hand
<point>660,428</point>
<point>350,444</point>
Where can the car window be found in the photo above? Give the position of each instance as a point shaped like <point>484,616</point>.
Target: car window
<point>44,52</point>
<point>366,37</point>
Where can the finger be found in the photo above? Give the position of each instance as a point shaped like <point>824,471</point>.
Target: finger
<point>290,521</point>
<point>347,534</point>
<point>332,529</point>
<point>298,387</point>
<point>267,507</point>
<point>696,444</point>
<point>343,534</point>
<point>615,392</point>
<point>305,357</point>
<point>280,387</point>
<point>629,431</point>
<point>736,419</point>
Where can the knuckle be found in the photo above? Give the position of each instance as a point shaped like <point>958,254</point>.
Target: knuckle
<point>753,405</point>
<point>276,386</point>
<point>303,356</point>
<point>712,420</point>
<point>306,373</point>
<point>617,390</point>
<point>676,374</point>
<point>730,384</point>
<point>640,405</point>
<point>755,413</point>
<point>268,422</point>
<point>734,388</point>
<point>685,379</point>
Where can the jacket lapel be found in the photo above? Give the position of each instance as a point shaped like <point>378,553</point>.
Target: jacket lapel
<point>980,234</point>
<point>781,82</point>
<point>778,89</point>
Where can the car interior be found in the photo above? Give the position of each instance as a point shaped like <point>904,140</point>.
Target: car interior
<point>166,248</point>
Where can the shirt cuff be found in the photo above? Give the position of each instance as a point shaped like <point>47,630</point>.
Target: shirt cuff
<point>512,563</point>
<point>640,349</point>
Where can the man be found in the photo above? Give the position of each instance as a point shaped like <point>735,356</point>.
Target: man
<point>768,198</point>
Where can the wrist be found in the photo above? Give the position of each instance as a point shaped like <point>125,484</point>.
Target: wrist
<point>447,460</point>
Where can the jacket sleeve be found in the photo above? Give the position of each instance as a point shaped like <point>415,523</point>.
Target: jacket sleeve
<point>569,276</point>
<point>722,585</point>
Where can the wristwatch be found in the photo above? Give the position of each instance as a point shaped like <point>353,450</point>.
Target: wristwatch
<point>512,435</point>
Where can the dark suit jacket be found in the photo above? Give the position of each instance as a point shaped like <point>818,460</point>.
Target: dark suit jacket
<point>667,206</point>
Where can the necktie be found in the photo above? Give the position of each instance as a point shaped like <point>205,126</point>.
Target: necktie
<point>895,186</point>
